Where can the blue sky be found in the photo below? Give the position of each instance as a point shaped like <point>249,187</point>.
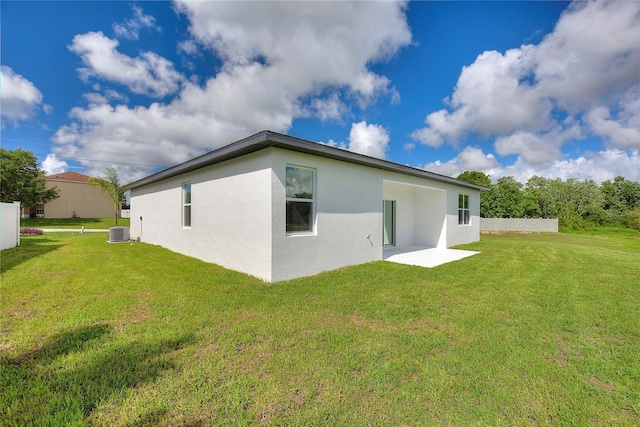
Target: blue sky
<point>507,88</point>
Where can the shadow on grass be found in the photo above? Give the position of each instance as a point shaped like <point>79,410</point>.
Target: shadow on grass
<point>30,247</point>
<point>64,380</point>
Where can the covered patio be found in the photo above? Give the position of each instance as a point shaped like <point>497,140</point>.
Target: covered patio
<point>424,257</point>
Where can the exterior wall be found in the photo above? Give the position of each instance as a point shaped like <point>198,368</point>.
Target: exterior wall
<point>461,234</point>
<point>348,229</point>
<point>539,225</point>
<point>230,214</point>
<point>349,208</point>
<point>430,228</point>
<point>239,214</point>
<point>430,225</point>
<point>9,225</point>
<point>420,213</point>
<point>86,199</point>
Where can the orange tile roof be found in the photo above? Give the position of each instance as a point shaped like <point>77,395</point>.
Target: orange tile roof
<point>70,176</point>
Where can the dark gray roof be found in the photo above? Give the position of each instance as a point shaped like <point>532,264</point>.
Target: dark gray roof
<point>266,139</point>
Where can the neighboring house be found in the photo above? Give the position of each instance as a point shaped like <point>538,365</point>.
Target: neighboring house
<point>78,198</point>
<point>279,207</point>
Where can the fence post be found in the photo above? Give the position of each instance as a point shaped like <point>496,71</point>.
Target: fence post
<point>18,212</point>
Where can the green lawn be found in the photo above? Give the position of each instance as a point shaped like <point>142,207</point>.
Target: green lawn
<point>535,330</point>
<point>93,223</point>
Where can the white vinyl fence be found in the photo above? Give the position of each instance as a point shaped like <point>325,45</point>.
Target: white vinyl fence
<point>537,225</point>
<point>10,229</point>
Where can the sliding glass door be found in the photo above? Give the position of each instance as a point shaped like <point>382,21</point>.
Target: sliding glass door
<point>389,220</point>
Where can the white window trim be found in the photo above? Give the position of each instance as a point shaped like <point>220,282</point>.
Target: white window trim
<point>184,204</point>
<point>313,202</point>
<point>464,209</point>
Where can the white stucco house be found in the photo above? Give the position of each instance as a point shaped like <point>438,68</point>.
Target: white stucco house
<point>279,207</point>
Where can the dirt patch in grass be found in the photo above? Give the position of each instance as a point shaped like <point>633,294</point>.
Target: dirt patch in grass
<point>23,314</point>
<point>57,273</point>
<point>630,415</point>
<point>23,311</point>
<point>206,350</point>
<point>610,388</point>
<point>565,354</point>
<point>418,326</point>
<point>134,314</point>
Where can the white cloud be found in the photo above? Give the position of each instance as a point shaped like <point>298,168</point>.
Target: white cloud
<point>623,130</point>
<point>305,46</point>
<point>578,72</point>
<point>592,55</point>
<point>189,47</point>
<point>19,97</point>
<point>280,61</point>
<point>489,99</point>
<point>131,28</point>
<point>148,74</point>
<point>368,139</point>
<point>105,98</point>
<point>537,148</point>
<point>598,166</point>
<point>371,140</point>
<point>52,165</point>
<point>469,159</point>
<point>329,108</point>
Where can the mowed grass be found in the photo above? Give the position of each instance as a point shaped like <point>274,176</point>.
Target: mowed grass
<point>73,223</point>
<point>535,330</point>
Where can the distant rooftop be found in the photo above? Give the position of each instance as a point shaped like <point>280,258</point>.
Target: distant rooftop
<point>70,176</point>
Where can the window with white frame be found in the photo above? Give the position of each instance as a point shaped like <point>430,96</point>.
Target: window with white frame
<point>186,204</point>
<point>300,199</point>
<point>464,215</point>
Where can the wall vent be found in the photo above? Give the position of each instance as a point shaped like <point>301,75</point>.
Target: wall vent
<point>118,234</point>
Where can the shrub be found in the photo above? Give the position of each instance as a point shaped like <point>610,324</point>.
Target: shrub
<point>632,219</point>
<point>28,231</point>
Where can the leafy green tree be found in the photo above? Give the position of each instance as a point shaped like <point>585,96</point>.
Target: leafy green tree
<point>612,198</point>
<point>620,195</point>
<point>22,180</point>
<point>475,177</point>
<point>578,202</point>
<point>631,219</point>
<point>505,199</point>
<point>630,192</point>
<point>112,187</point>
<point>539,191</point>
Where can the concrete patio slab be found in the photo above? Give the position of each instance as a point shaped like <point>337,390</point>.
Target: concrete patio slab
<point>424,257</point>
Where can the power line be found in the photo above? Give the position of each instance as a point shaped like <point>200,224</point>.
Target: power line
<point>87,160</point>
<point>103,161</point>
<point>25,141</point>
<point>111,161</point>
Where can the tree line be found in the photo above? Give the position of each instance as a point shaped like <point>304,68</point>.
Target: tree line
<point>577,204</point>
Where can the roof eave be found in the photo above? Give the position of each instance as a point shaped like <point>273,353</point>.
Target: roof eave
<point>266,139</point>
